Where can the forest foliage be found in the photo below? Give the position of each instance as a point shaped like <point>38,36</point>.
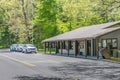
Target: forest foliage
<point>31,21</point>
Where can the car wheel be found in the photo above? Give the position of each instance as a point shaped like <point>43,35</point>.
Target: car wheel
<point>26,51</point>
<point>22,51</point>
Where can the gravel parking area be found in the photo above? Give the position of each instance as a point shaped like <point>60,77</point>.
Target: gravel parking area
<point>69,68</point>
<point>53,67</point>
<point>89,70</point>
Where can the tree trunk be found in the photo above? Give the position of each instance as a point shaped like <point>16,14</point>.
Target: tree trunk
<point>26,21</point>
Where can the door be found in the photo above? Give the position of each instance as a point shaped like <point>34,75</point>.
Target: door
<point>88,47</point>
<point>76,48</point>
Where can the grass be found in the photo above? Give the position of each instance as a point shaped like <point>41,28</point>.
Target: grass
<point>115,59</point>
<point>41,51</point>
<point>2,47</point>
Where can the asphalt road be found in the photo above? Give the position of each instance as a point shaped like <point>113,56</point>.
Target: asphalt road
<point>19,66</point>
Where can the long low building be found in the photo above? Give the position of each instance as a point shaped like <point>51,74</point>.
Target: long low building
<point>87,41</point>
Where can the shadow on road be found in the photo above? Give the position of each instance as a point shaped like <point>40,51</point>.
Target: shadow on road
<point>88,71</point>
<point>38,78</point>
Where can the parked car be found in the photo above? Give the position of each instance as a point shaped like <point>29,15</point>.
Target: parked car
<point>20,47</point>
<point>29,48</point>
<point>13,47</point>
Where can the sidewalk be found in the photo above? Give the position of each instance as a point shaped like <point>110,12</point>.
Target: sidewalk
<point>78,56</point>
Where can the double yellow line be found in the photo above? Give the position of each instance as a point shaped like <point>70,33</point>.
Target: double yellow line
<point>17,60</point>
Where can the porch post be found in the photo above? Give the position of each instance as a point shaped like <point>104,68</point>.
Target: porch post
<point>56,47</point>
<point>85,48</point>
<point>50,47</point>
<point>61,46</point>
<point>97,47</point>
<point>45,47</point>
<point>68,47</point>
<point>92,47</point>
<point>76,48</point>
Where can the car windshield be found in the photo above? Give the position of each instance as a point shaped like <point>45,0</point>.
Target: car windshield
<point>29,45</point>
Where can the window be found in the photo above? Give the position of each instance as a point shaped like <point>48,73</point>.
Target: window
<point>53,45</point>
<point>104,44</point>
<point>114,43</point>
<point>58,45</point>
<point>71,44</point>
<point>63,44</point>
<point>110,42</point>
<point>46,44</point>
<point>82,45</point>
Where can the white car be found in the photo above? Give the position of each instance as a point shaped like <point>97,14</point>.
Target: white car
<point>20,47</point>
<point>29,48</point>
<point>13,47</point>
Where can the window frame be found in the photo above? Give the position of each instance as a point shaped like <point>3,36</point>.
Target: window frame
<point>110,42</point>
<point>116,43</point>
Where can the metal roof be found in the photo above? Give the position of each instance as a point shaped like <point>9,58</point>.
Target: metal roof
<point>86,32</point>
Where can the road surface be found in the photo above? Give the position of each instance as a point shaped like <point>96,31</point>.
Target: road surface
<point>20,66</point>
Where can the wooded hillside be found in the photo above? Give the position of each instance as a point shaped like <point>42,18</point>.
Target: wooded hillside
<point>31,21</point>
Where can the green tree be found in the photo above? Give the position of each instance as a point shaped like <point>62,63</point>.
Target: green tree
<point>77,13</point>
<point>51,17</point>
<point>45,20</point>
<point>108,10</point>
<point>4,32</point>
